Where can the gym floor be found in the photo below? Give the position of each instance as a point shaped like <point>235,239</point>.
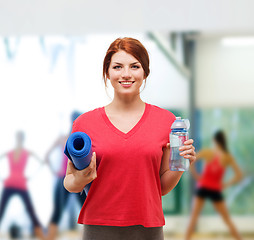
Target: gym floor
<point>74,235</point>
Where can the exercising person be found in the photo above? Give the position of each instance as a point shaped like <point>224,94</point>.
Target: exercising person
<point>16,183</point>
<point>61,195</point>
<point>210,182</point>
<point>130,163</point>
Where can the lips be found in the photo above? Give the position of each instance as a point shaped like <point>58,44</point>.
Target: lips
<point>126,83</point>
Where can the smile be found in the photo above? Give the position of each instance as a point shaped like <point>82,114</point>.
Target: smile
<point>126,83</point>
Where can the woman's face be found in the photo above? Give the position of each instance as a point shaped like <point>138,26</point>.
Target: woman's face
<point>125,73</point>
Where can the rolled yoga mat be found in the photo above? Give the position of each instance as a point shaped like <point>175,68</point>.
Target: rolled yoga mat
<point>78,149</point>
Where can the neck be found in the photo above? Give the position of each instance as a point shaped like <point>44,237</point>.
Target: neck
<point>127,103</point>
<point>220,150</point>
<point>18,147</point>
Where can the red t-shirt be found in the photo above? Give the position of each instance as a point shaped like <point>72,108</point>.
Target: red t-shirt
<point>127,190</point>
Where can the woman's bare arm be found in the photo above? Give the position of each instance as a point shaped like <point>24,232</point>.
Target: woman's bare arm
<point>238,175</point>
<point>75,180</point>
<point>169,179</point>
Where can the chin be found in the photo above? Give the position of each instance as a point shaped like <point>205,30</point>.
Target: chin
<point>128,92</point>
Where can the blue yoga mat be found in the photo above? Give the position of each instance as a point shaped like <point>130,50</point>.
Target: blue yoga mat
<point>78,149</point>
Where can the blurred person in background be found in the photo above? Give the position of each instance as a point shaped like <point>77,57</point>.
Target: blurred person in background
<point>16,183</point>
<point>61,195</point>
<point>210,182</point>
<point>130,163</point>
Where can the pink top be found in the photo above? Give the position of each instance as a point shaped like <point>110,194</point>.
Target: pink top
<point>17,178</point>
<point>62,171</point>
<point>213,175</point>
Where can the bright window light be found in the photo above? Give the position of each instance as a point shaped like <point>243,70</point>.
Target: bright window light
<point>238,41</point>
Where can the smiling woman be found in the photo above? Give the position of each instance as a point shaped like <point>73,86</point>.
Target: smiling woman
<point>125,73</point>
<point>130,168</point>
<point>134,49</point>
<point>124,70</point>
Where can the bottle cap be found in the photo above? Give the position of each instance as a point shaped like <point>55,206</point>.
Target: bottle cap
<point>180,123</point>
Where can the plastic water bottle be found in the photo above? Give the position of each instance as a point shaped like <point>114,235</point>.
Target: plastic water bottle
<point>178,135</point>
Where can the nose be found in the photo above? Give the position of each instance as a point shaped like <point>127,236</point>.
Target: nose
<point>126,73</point>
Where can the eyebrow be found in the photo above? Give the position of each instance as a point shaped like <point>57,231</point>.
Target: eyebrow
<point>130,64</point>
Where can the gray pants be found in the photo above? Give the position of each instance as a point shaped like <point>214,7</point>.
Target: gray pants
<point>96,232</point>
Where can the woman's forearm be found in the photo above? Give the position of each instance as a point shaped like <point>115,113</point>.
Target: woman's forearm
<point>75,180</point>
<point>169,180</point>
<point>233,181</point>
<point>72,185</point>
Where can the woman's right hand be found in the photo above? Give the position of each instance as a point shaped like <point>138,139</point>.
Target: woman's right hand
<point>88,174</point>
<point>75,180</point>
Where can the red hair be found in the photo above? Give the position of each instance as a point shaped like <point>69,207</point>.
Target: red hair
<point>131,46</point>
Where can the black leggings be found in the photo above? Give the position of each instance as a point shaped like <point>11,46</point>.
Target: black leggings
<point>60,200</point>
<point>8,193</point>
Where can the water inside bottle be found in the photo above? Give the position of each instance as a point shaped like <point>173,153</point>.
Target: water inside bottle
<point>178,162</point>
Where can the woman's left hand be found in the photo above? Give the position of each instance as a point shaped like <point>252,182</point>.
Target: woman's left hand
<point>188,151</point>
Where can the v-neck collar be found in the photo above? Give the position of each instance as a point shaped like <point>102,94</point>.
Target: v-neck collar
<point>132,130</point>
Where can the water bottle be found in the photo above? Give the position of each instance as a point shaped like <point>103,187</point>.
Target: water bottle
<point>178,135</point>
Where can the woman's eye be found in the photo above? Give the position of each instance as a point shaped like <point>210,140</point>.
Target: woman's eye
<point>116,67</point>
<point>135,66</point>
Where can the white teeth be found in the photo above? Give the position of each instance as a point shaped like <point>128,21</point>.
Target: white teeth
<point>126,83</point>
